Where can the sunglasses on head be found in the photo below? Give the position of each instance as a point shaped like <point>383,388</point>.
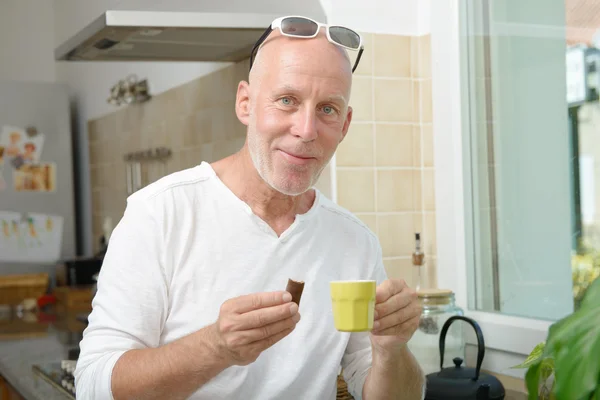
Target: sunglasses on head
<point>306,28</point>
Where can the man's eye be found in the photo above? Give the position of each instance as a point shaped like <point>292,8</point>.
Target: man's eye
<point>328,110</point>
<point>286,101</point>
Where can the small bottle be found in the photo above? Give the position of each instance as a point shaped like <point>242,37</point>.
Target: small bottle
<point>418,260</point>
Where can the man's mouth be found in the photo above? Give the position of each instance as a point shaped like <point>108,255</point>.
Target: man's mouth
<point>297,158</point>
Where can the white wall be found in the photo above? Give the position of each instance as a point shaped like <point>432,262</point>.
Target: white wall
<point>26,41</point>
<point>398,17</point>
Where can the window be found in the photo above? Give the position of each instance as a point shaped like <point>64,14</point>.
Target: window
<point>517,160</point>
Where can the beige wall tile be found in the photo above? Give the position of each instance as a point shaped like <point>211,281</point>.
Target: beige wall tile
<point>107,126</point>
<point>426,101</point>
<point>105,151</point>
<point>224,148</point>
<point>429,277</point>
<point>417,143</point>
<point>176,127</point>
<point>427,133</point>
<point>396,233</point>
<point>169,119</point>
<point>421,56</point>
<point>191,157</point>
<point>395,145</point>
<point>206,152</point>
<point>392,55</point>
<point>187,127</point>
<point>361,99</point>
<point>419,221</point>
<point>356,150</point>
<point>223,123</point>
<point>174,162</point>
<point>429,232</point>
<point>132,139</point>
<point>96,202</point>
<point>365,66</point>
<point>398,190</point>
<point>424,70</point>
<point>370,220</point>
<point>414,56</point>
<point>355,190</point>
<point>94,153</point>
<point>93,132</point>
<point>120,177</point>
<point>393,100</point>
<point>157,135</point>
<point>130,117</point>
<point>400,269</point>
<point>404,269</point>
<point>428,190</point>
<point>416,101</point>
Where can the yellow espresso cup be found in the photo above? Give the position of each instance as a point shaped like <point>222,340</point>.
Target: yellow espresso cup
<point>353,305</point>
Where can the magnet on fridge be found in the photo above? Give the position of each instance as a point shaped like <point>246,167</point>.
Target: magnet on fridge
<point>31,131</point>
<point>17,162</point>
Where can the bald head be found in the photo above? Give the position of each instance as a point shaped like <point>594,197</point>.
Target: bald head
<point>279,51</point>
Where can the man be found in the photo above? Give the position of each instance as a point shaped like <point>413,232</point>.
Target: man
<point>190,301</point>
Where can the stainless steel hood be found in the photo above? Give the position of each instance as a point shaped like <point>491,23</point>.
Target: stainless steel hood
<point>166,36</point>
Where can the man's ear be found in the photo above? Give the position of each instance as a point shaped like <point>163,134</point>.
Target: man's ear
<point>346,123</point>
<point>242,102</point>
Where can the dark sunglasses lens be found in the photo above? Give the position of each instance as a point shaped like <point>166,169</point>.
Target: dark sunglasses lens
<point>298,26</point>
<point>344,36</point>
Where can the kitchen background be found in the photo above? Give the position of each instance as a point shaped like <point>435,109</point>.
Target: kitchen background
<point>400,162</point>
<point>383,169</point>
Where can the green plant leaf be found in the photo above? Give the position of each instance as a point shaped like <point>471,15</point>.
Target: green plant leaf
<point>574,342</point>
<point>532,380</point>
<point>546,368</point>
<point>534,357</point>
<point>592,296</point>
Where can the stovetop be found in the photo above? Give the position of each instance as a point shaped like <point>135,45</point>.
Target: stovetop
<point>59,375</point>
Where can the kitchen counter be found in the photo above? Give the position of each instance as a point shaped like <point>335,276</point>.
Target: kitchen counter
<point>27,343</point>
<point>514,387</point>
<point>24,344</point>
<point>19,355</point>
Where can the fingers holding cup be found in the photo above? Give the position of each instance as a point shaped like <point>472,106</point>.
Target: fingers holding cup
<point>397,310</point>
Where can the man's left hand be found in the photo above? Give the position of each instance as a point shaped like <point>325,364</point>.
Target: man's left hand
<point>397,314</point>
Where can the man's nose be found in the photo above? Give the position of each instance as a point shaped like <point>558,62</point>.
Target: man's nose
<point>305,126</point>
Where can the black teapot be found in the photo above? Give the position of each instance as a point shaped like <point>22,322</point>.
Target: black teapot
<point>459,382</point>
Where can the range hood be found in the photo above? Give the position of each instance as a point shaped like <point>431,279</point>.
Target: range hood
<point>166,36</point>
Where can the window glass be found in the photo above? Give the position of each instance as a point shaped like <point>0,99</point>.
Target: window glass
<point>532,154</point>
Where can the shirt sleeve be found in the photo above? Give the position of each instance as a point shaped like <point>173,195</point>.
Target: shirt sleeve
<point>131,303</point>
<point>357,359</point>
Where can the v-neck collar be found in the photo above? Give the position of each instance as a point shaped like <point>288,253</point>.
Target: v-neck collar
<point>300,220</point>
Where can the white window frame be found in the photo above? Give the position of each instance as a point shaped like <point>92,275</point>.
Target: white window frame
<point>504,335</point>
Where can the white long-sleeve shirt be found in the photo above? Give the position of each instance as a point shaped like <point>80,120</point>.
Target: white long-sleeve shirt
<point>185,245</point>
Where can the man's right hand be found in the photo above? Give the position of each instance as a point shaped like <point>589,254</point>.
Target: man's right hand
<point>250,324</point>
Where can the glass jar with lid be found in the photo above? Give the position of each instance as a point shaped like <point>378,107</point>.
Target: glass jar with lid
<point>438,305</point>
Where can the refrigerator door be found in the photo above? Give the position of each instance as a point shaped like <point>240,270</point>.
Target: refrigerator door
<point>36,183</point>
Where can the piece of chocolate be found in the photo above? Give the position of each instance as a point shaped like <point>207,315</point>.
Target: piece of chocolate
<point>295,288</point>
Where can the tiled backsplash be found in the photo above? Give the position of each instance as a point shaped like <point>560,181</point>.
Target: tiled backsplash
<point>196,121</point>
<point>384,167</point>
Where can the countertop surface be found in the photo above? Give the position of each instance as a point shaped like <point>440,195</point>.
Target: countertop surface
<point>24,344</point>
<point>17,358</point>
<point>27,343</point>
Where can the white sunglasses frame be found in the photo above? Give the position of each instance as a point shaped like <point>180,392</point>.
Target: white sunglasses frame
<point>276,24</point>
